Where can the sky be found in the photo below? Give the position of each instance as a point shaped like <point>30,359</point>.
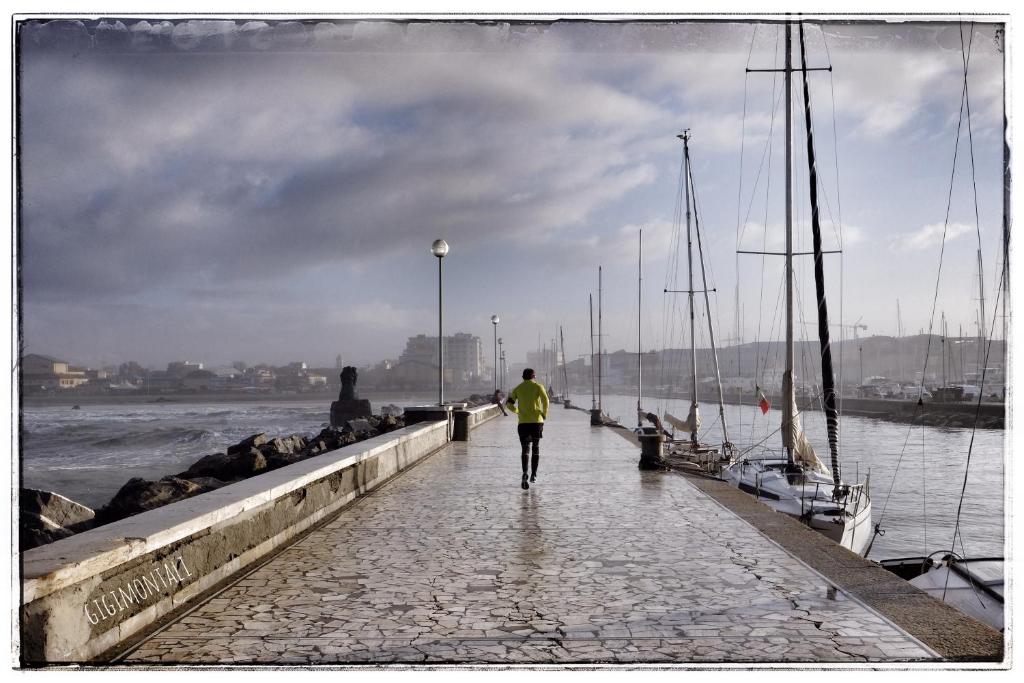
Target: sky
<point>269,191</point>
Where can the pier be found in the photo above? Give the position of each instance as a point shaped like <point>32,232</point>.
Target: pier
<point>451,562</point>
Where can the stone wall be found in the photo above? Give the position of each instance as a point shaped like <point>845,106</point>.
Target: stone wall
<point>84,595</point>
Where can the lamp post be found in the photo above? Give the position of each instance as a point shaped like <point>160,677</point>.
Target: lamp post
<point>860,352</point>
<point>440,249</point>
<point>494,322</point>
<point>504,371</point>
<point>501,355</point>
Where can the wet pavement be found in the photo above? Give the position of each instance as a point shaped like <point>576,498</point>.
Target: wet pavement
<point>452,562</point>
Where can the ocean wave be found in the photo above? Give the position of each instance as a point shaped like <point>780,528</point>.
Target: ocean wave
<point>58,431</point>
<point>155,437</point>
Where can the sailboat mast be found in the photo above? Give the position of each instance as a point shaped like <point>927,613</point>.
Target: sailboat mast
<point>711,328</point>
<point>942,329</point>
<point>828,385</point>
<point>565,375</point>
<point>981,317</point>
<point>981,297</point>
<point>554,363</point>
<point>593,387</point>
<point>789,391</point>
<point>639,314</point>
<point>899,338</point>
<point>689,263</point>
<point>960,343</point>
<point>600,348</point>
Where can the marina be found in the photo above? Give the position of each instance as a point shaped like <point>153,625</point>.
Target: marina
<point>258,422</point>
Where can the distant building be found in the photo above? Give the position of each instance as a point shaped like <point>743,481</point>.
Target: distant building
<point>463,360</point>
<point>202,380</point>
<point>161,381</point>
<point>35,364</point>
<point>420,349</point>
<point>297,377</point>
<point>43,373</point>
<point>414,373</point>
<point>182,368</point>
<point>463,353</point>
<point>259,376</point>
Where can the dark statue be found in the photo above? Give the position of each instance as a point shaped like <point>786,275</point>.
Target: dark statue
<point>349,406</point>
<point>349,377</point>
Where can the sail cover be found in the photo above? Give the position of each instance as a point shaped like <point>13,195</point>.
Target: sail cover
<point>692,422</point>
<point>793,436</point>
<point>803,452</point>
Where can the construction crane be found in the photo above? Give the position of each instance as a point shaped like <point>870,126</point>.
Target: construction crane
<point>856,337</point>
<point>855,326</point>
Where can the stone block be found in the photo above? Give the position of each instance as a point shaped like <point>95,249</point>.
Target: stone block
<point>344,410</point>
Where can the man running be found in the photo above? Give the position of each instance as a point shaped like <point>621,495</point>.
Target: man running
<point>533,410</point>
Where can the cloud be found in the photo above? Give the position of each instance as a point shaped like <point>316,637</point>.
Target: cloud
<point>222,175</point>
<point>853,234</point>
<point>888,89</point>
<point>297,160</point>
<point>929,236</point>
<point>624,242</point>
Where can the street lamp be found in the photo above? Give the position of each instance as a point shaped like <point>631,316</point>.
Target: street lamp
<point>860,352</point>
<point>440,249</point>
<point>501,354</point>
<point>494,321</point>
<point>504,371</point>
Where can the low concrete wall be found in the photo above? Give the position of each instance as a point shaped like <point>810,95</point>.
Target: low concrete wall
<point>482,414</point>
<point>84,595</point>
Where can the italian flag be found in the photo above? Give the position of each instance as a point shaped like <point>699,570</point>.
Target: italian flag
<point>762,402</point>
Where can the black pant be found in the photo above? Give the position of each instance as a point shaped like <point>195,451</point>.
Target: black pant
<point>531,433</point>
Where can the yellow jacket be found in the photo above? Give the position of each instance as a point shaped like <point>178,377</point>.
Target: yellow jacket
<point>532,400</point>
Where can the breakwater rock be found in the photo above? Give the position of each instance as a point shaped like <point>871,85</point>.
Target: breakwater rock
<point>139,495</point>
<point>46,517</point>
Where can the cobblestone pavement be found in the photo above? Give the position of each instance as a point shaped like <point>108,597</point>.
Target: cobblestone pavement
<point>598,563</point>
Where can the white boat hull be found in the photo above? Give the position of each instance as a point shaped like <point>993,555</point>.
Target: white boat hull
<point>854,533</point>
<point>973,586</point>
<point>808,499</point>
<point>956,589</point>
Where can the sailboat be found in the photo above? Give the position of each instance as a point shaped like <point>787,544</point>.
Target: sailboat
<point>554,390</point>
<point>689,449</point>
<point>566,403</point>
<point>795,481</point>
